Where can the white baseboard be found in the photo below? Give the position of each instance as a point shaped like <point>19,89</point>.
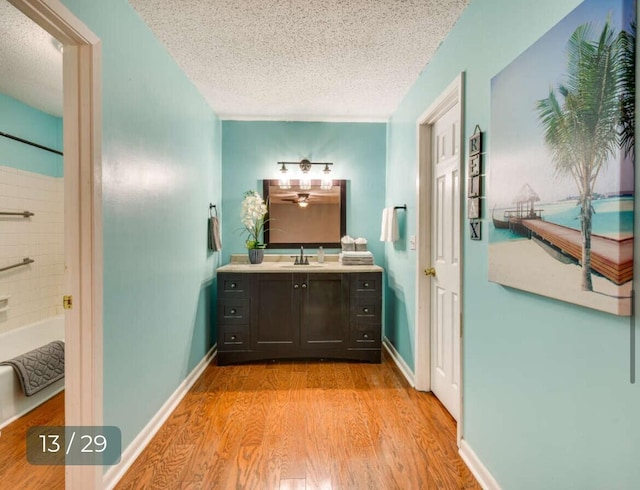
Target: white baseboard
<point>399,361</point>
<point>115,473</point>
<point>479,470</point>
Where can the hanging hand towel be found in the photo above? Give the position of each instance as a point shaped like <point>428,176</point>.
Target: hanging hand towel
<point>214,233</point>
<point>389,226</point>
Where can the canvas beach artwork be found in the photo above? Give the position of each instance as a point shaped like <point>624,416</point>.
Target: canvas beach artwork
<point>561,168</point>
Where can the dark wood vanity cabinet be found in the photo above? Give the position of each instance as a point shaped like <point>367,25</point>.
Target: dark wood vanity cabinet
<point>302,315</point>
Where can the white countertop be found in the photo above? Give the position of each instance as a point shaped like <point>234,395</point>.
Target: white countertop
<point>284,263</point>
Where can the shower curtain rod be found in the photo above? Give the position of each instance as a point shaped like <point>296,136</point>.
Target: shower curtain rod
<point>27,142</point>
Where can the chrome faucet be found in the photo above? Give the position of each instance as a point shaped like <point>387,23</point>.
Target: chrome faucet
<point>302,260</point>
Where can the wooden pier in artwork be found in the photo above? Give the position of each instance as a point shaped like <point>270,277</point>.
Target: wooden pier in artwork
<point>609,257</point>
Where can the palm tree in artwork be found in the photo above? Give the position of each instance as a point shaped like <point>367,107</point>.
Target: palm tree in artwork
<point>627,48</point>
<point>580,121</point>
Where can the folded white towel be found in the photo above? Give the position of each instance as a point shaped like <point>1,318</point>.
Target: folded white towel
<point>389,226</point>
<point>351,261</point>
<point>356,258</point>
<point>354,253</point>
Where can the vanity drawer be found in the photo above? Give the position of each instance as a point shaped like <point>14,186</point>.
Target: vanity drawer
<point>233,311</point>
<point>366,311</point>
<point>233,285</point>
<point>235,337</point>
<point>366,284</point>
<point>365,338</point>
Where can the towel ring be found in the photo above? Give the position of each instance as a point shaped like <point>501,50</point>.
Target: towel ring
<point>213,206</point>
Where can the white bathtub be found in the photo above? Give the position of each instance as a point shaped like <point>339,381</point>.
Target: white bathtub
<point>13,402</point>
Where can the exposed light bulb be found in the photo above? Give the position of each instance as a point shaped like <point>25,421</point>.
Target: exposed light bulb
<point>284,181</point>
<point>305,182</point>
<point>326,182</point>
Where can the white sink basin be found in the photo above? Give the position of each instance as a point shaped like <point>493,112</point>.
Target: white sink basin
<point>289,265</point>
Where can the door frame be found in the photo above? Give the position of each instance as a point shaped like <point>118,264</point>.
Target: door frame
<point>82,123</point>
<point>448,98</point>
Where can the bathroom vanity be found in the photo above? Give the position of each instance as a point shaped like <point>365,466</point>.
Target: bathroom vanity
<point>277,310</point>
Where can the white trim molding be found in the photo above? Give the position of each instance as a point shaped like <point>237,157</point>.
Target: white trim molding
<point>399,361</point>
<point>452,95</point>
<point>82,121</point>
<point>115,473</point>
<point>479,470</point>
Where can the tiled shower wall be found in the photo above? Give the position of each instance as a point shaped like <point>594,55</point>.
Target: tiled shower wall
<point>35,290</point>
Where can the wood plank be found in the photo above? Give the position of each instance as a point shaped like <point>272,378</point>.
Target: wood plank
<point>283,425</point>
<point>15,470</point>
<point>316,425</point>
<point>610,257</point>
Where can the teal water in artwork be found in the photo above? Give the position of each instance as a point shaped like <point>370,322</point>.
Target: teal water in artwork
<point>613,217</point>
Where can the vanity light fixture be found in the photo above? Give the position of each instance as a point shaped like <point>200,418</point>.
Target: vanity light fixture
<point>305,182</point>
<point>326,182</point>
<point>305,178</point>
<point>284,181</point>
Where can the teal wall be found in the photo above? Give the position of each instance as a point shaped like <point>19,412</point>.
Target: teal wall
<point>21,120</point>
<point>161,169</point>
<point>548,401</point>
<point>251,150</point>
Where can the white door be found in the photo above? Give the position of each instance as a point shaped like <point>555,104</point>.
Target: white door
<point>445,260</point>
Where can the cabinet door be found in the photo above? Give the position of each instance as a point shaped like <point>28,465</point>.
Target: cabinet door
<point>275,312</point>
<point>324,315</point>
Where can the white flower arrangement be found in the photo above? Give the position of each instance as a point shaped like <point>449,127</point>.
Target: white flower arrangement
<point>254,210</point>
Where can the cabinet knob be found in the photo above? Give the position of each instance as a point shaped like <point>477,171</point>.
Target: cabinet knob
<point>366,335</point>
<point>296,286</point>
<point>303,285</point>
<point>366,284</point>
<point>233,337</point>
<point>232,285</point>
<point>232,311</point>
<point>365,310</point>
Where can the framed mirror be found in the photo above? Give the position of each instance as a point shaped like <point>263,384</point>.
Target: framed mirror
<point>311,217</point>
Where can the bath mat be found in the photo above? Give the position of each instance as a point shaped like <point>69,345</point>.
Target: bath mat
<point>40,367</point>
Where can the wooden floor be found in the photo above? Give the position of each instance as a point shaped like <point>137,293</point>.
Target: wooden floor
<point>15,470</point>
<point>291,425</point>
<point>303,425</point>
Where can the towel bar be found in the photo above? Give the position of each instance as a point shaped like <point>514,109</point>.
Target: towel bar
<point>25,261</point>
<point>24,214</point>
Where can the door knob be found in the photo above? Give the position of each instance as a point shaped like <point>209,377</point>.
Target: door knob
<point>430,272</point>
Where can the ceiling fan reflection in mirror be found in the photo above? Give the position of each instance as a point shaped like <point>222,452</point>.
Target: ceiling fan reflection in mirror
<point>301,199</point>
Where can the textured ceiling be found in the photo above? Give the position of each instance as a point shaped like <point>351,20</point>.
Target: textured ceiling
<point>31,65</point>
<point>301,59</point>
<point>262,59</point>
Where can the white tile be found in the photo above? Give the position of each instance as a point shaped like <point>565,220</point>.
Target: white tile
<point>35,289</point>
